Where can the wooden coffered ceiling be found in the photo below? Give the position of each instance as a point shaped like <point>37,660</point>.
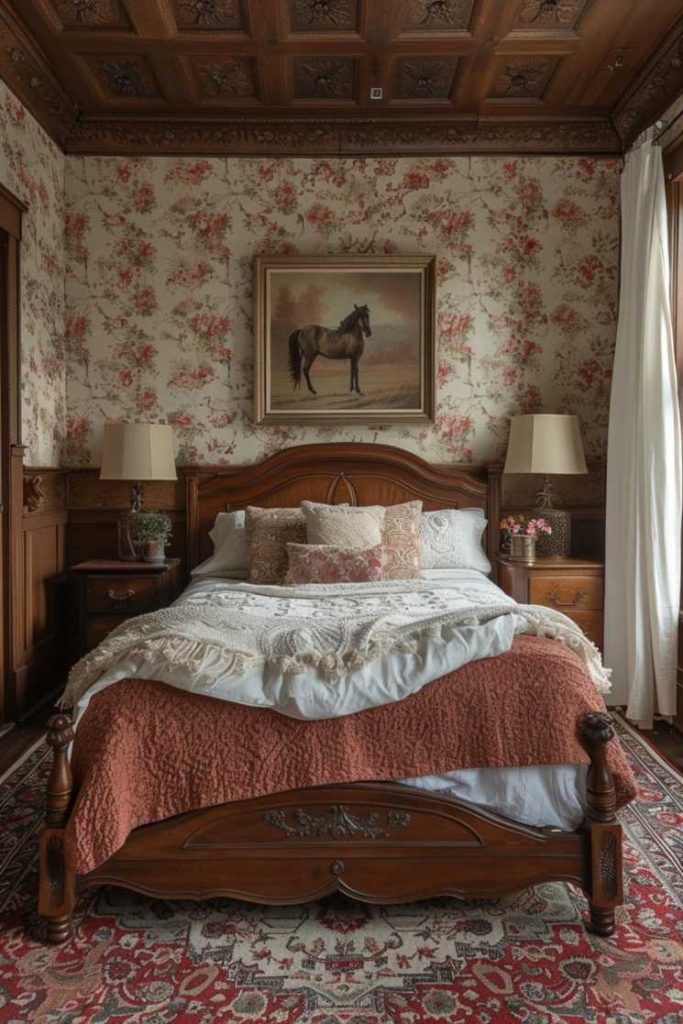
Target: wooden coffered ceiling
<point>343,76</point>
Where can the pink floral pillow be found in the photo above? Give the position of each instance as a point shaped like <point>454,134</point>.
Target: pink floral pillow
<point>323,563</point>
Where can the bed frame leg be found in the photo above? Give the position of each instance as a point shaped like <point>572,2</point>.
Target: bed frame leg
<point>57,884</point>
<point>605,890</point>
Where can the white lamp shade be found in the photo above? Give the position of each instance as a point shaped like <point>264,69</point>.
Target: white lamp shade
<point>545,443</point>
<point>138,451</point>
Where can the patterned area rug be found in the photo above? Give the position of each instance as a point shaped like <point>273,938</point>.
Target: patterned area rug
<point>525,958</point>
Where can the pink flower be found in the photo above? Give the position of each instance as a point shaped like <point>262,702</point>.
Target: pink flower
<point>320,215</point>
<point>190,174</point>
<point>75,225</point>
<point>143,198</point>
<point>145,300</point>
<point>415,179</point>
<point>285,197</point>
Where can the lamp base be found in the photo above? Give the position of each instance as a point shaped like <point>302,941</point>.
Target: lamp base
<point>557,544</point>
<point>127,551</point>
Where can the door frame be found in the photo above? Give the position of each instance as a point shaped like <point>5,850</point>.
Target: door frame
<point>11,451</point>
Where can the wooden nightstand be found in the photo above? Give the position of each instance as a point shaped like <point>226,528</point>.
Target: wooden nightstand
<point>108,592</point>
<point>571,585</point>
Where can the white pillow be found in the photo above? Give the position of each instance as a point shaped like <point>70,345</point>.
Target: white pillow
<point>452,539</point>
<point>229,556</point>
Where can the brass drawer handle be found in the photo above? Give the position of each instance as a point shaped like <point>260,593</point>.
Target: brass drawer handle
<point>579,596</point>
<point>126,596</point>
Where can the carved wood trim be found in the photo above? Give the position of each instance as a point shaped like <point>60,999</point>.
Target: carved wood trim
<point>343,136</point>
<point>337,822</point>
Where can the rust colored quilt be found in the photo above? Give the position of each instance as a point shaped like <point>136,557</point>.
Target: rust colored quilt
<point>145,751</point>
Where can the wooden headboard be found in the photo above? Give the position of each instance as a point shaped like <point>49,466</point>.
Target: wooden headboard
<point>361,474</point>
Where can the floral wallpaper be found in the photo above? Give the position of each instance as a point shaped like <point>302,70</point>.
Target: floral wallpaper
<point>32,168</point>
<point>159,290</point>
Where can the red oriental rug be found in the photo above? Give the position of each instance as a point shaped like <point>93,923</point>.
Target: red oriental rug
<point>526,958</point>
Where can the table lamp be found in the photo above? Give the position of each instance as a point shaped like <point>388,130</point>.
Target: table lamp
<point>139,452</point>
<point>550,444</point>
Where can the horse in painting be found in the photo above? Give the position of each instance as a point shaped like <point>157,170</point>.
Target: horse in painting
<point>346,342</point>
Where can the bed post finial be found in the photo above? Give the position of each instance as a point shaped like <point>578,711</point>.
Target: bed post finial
<point>596,731</point>
<point>57,883</point>
<point>59,735</point>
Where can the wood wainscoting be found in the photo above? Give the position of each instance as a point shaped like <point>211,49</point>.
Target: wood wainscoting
<point>38,622</point>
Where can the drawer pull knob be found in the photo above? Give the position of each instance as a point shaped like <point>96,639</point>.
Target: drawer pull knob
<point>125,596</point>
<point>579,596</point>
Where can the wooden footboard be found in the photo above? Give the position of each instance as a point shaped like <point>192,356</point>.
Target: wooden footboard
<point>377,842</point>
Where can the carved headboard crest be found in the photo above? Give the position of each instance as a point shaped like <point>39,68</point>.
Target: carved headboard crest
<point>342,483</point>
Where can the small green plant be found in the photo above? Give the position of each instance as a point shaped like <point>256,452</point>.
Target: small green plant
<point>150,526</point>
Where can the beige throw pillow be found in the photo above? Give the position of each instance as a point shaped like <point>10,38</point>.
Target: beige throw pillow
<point>402,542</point>
<point>269,531</point>
<point>344,526</point>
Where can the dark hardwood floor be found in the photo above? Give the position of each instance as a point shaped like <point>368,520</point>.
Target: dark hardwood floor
<point>668,741</point>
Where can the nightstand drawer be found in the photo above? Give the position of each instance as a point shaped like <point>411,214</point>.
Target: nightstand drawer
<point>124,595</point>
<point>97,627</point>
<point>590,623</point>
<point>566,593</point>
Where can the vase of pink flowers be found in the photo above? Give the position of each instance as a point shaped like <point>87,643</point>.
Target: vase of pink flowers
<point>519,536</point>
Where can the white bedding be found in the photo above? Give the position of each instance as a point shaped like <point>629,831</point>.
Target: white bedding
<point>542,795</point>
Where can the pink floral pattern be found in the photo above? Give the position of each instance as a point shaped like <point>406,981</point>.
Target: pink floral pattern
<point>32,168</point>
<point>159,290</point>
<point>322,563</point>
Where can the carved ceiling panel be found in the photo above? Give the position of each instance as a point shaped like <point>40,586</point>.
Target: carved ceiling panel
<point>226,79</point>
<point>81,14</point>
<point>208,15</point>
<point>438,15</point>
<point>323,15</point>
<point>549,14</point>
<point>425,78</point>
<point>523,79</point>
<point>325,78</point>
<point>125,77</point>
<point>291,75</point>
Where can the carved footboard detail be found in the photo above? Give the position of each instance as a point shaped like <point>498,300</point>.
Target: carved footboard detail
<point>606,883</point>
<point>57,884</point>
<point>377,842</point>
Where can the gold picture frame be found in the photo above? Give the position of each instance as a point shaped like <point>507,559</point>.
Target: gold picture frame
<point>370,319</point>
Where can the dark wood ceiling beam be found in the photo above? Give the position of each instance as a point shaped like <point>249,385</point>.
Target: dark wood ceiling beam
<point>176,81</point>
<point>152,19</point>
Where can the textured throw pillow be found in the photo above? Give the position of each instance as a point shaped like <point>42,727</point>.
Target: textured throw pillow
<point>451,539</point>
<point>269,530</point>
<point>229,538</point>
<point>344,526</point>
<point>324,563</point>
<point>401,541</point>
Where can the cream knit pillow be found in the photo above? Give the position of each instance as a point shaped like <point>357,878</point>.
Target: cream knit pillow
<point>343,526</point>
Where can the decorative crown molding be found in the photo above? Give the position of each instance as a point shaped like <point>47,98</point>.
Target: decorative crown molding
<point>351,136</point>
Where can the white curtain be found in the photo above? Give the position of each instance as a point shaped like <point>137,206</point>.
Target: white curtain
<point>643,558</point>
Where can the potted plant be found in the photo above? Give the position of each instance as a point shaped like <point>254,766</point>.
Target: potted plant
<point>150,533</point>
<point>519,536</point>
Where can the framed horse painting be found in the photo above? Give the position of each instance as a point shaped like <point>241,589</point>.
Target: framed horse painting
<point>344,339</point>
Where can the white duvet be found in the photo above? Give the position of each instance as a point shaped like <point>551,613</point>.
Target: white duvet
<point>318,651</point>
<point>295,622</point>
